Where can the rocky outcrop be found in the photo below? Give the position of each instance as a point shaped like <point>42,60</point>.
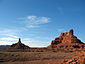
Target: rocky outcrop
<point>79,58</point>
<point>19,45</point>
<point>66,40</point>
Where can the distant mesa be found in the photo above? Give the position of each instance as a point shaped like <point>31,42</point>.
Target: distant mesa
<point>67,40</point>
<point>19,45</point>
<point>4,46</point>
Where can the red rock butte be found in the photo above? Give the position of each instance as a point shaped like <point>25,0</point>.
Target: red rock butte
<point>67,40</point>
<point>19,45</point>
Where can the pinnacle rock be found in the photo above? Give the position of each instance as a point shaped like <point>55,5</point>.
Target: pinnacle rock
<point>19,45</point>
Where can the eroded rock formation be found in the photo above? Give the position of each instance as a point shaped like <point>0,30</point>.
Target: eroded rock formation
<point>19,45</point>
<point>67,40</point>
<point>79,58</point>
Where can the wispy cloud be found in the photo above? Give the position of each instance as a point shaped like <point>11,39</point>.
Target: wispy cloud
<point>60,10</point>
<point>7,41</point>
<point>35,43</point>
<point>10,36</point>
<point>28,41</point>
<point>8,31</point>
<point>34,21</point>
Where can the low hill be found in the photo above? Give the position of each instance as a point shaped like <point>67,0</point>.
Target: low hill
<point>4,46</point>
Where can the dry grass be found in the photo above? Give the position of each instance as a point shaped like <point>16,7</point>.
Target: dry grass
<point>50,57</point>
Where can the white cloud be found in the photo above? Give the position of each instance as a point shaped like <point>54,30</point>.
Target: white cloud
<point>10,36</point>
<point>9,33</point>
<point>31,17</point>
<point>35,43</point>
<point>27,41</point>
<point>5,31</point>
<point>7,41</point>
<point>35,21</point>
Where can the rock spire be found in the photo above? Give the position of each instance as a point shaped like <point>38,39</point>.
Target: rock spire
<point>19,45</point>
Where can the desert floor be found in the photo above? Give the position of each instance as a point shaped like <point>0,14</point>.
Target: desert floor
<point>50,57</point>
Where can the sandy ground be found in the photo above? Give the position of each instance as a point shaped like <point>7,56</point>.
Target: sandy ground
<point>57,57</point>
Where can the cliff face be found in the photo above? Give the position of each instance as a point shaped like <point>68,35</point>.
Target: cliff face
<point>66,39</point>
<point>19,45</point>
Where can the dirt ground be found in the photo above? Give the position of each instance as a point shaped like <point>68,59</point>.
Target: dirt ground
<point>50,57</point>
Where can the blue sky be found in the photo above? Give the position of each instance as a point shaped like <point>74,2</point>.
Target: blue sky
<point>38,22</point>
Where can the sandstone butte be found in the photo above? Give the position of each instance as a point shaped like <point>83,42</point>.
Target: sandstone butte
<point>67,40</point>
<point>19,45</point>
